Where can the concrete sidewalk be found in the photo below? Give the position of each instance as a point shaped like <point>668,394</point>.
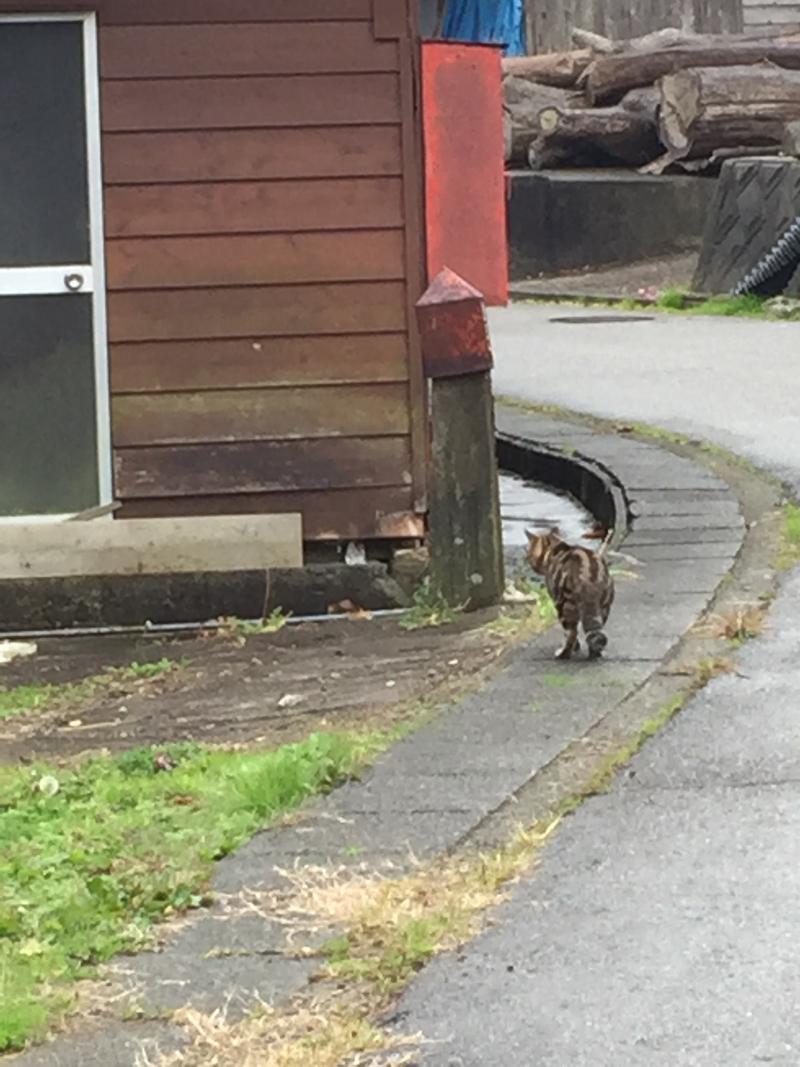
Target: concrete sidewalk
<point>442,787</point>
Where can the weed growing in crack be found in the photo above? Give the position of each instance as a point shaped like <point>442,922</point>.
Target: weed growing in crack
<point>514,622</point>
<point>737,624</point>
<point>239,630</point>
<point>429,608</point>
<point>712,667</point>
<point>147,670</point>
<point>789,555</point>
<point>322,1034</point>
<point>391,927</point>
<point>604,774</point>
<point>748,306</point>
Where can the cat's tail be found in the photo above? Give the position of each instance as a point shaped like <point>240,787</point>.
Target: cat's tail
<point>602,551</point>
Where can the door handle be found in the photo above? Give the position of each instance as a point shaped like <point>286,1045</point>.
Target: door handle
<point>73,282</point>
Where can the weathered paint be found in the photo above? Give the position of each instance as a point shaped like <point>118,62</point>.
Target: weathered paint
<point>453,329</point>
<point>464,170</point>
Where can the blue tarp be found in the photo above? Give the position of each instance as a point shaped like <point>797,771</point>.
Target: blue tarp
<point>487,22</point>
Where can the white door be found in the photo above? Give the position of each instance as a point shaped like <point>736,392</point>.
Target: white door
<point>55,453</point>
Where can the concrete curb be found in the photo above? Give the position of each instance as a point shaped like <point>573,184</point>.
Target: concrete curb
<point>458,780</point>
<point>589,482</point>
<point>559,296</point>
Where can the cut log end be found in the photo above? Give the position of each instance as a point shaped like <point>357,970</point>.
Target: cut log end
<point>549,118</point>
<point>711,108</point>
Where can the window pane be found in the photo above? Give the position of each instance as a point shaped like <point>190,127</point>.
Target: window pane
<point>48,438</point>
<point>44,215</point>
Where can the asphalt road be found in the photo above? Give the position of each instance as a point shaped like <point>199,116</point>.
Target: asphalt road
<point>662,924</point>
<point>732,381</point>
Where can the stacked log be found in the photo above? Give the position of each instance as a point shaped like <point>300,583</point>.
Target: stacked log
<point>525,99</point>
<point>668,98</point>
<point>626,134</point>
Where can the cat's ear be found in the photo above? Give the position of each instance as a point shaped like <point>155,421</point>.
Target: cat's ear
<point>531,535</point>
<point>555,532</point>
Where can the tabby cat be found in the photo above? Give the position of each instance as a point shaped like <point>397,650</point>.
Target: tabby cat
<point>581,586</point>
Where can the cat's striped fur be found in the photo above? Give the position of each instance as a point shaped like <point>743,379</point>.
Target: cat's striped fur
<point>581,586</point>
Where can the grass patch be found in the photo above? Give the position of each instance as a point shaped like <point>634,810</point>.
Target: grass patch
<point>146,670</point>
<point>392,927</point>
<point>311,1035</point>
<point>789,553</point>
<point>672,300</point>
<point>22,699</point>
<point>91,858</point>
<point>751,307</point>
<point>429,608</point>
<point>679,301</point>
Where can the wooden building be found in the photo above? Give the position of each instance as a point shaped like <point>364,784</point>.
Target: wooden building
<point>210,252</point>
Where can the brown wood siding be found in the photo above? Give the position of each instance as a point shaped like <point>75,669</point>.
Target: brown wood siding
<point>244,363</point>
<point>329,152</point>
<point>194,50</point>
<point>260,415</point>
<point>155,12</point>
<point>261,466</point>
<point>260,259</point>
<point>262,184</point>
<point>233,103</point>
<point>255,207</point>
<point>260,311</point>
<point>335,514</point>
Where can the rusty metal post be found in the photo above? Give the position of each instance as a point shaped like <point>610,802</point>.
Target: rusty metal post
<point>464,524</point>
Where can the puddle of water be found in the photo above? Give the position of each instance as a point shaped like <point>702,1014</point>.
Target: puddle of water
<point>527,505</point>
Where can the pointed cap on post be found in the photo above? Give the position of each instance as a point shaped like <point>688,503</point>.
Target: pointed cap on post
<point>453,329</point>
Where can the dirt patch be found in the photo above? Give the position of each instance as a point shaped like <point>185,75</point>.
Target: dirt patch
<point>669,272</point>
<point>270,690</point>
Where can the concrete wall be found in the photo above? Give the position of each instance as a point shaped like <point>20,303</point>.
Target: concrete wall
<point>565,220</point>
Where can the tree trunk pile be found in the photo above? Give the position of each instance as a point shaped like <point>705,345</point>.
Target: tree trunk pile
<point>666,99</point>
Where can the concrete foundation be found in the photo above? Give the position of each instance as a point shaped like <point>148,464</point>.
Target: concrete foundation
<point>570,219</point>
<point>165,599</point>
